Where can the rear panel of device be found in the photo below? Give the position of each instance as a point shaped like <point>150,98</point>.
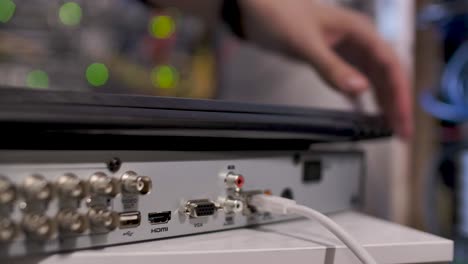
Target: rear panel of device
<point>65,200</point>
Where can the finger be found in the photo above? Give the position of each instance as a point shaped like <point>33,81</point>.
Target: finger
<point>385,72</point>
<point>393,89</point>
<point>336,71</point>
<point>393,92</point>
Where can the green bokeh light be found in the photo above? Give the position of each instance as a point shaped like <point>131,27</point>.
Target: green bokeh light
<point>37,79</point>
<point>164,77</point>
<point>70,14</point>
<point>7,10</point>
<point>97,74</point>
<point>162,27</point>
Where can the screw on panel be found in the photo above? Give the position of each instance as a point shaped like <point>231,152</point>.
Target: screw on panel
<point>114,164</point>
<point>296,158</point>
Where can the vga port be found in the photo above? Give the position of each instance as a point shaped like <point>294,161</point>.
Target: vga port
<point>200,208</point>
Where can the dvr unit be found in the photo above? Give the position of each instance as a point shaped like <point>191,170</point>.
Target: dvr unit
<point>83,170</point>
<point>65,200</point>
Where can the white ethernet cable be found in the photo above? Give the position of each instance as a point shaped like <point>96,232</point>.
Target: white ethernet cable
<point>280,205</point>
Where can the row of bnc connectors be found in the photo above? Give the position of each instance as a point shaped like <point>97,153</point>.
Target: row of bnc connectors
<point>35,193</point>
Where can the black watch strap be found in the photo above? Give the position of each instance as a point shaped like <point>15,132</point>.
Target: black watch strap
<point>232,16</point>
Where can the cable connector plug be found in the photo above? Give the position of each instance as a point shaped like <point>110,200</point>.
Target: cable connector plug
<point>283,206</point>
<point>271,204</point>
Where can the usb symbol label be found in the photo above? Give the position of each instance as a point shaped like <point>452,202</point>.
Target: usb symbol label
<point>128,233</point>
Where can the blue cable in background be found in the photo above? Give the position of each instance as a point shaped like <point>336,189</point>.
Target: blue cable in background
<point>453,90</point>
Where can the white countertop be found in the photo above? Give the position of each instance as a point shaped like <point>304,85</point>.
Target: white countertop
<point>299,241</point>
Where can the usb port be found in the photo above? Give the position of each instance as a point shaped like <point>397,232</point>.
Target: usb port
<point>159,218</point>
<point>129,219</point>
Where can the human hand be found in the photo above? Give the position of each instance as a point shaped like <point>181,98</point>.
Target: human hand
<point>341,44</point>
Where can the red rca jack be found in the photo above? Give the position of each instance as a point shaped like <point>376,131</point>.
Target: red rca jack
<point>233,180</point>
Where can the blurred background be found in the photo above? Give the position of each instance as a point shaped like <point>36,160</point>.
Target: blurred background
<point>123,46</point>
<point>118,46</point>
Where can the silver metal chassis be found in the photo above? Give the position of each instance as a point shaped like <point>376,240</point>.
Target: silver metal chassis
<point>178,177</point>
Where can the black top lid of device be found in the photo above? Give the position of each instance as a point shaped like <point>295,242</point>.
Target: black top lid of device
<point>80,120</point>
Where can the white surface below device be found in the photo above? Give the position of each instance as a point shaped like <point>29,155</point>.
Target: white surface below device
<point>296,241</point>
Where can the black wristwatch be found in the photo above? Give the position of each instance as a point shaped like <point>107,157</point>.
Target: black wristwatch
<point>230,14</point>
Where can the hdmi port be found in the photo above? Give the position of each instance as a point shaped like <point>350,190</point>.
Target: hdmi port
<point>159,218</point>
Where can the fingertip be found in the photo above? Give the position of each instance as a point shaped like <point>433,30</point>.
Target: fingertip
<point>405,133</point>
<point>404,130</point>
<point>355,84</point>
